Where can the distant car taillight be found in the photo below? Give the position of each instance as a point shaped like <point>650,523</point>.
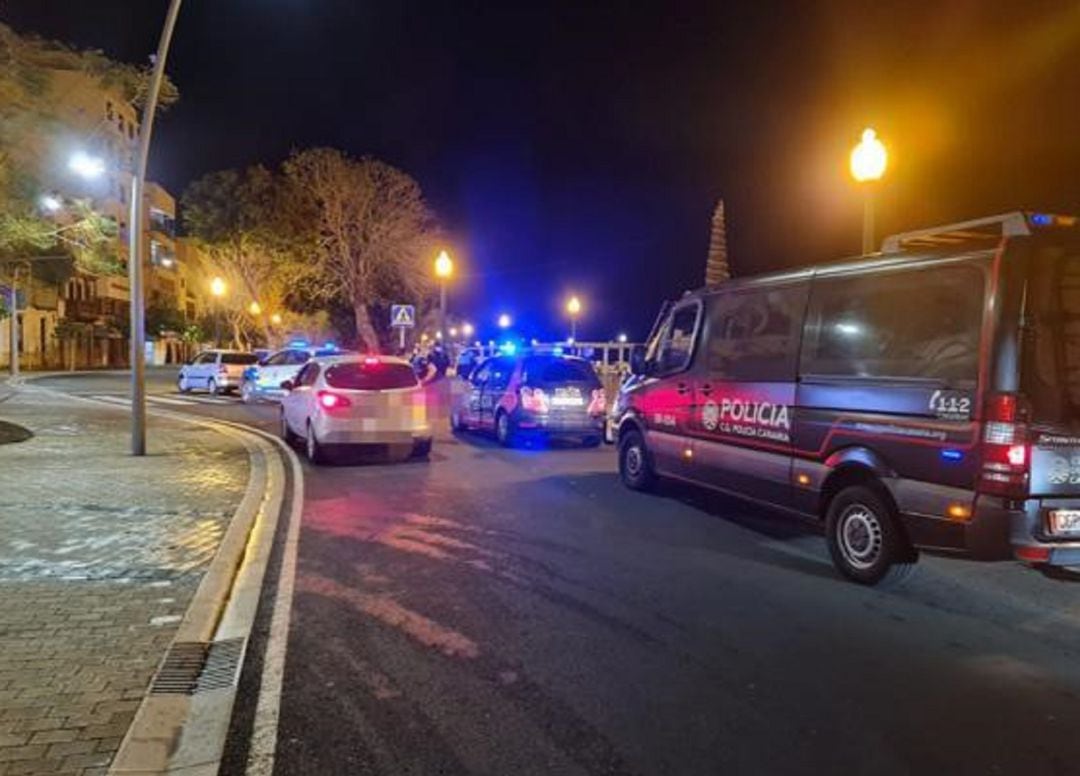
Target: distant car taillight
<point>598,404</point>
<point>333,401</point>
<point>1005,456</point>
<point>534,400</point>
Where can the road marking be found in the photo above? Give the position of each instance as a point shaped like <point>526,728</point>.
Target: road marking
<point>268,710</point>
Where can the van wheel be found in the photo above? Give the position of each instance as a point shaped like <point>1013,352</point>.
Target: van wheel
<point>212,387</point>
<point>635,467</point>
<point>865,539</point>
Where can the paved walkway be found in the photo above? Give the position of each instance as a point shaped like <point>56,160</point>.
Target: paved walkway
<point>100,554</point>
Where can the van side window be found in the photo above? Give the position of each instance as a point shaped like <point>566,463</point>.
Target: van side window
<point>754,334</point>
<point>677,346</point>
<point>908,324</point>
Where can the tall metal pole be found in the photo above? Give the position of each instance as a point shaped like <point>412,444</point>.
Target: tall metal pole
<point>868,219</point>
<point>135,258</point>
<point>442,309</point>
<point>14,362</point>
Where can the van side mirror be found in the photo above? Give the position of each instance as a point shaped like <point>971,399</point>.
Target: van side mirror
<point>287,385</point>
<point>638,364</point>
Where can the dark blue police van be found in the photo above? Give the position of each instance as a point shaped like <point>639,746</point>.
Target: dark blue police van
<point>924,397</point>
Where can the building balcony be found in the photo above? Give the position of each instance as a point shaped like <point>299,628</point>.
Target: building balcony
<point>94,310</point>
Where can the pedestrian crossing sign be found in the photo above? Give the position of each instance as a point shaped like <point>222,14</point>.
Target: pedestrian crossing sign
<point>403,315</point>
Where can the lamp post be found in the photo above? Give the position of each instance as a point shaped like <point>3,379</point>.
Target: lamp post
<point>573,307</point>
<point>504,321</point>
<point>444,268</point>
<point>868,161</point>
<point>467,330</point>
<point>91,167</point>
<point>217,290</point>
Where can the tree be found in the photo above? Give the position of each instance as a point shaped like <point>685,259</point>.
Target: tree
<point>245,221</point>
<point>371,232</point>
<point>717,269</point>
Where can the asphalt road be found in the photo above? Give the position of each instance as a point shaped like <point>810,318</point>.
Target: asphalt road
<point>520,612</point>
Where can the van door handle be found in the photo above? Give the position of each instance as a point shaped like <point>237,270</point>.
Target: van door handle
<point>706,389</point>
<point>682,388</point>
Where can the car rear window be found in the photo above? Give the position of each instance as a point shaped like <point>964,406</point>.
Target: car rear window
<point>239,358</point>
<point>380,376</point>
<point>560,370</point>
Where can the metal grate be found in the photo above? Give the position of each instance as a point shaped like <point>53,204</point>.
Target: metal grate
<point>193,667</point>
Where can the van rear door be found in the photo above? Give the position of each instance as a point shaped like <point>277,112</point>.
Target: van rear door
<point>1050,371</point>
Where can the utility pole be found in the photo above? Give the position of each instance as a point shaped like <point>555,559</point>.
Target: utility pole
<point>135,258</point>
<point>14,362</point>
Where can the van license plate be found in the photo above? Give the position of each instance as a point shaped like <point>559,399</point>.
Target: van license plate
<point>566,401</point>
<point>1064,522</point>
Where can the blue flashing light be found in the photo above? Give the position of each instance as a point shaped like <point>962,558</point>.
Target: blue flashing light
<point>329,346</point>
<point>299,343</point>
<point>1042,219</point>
<point>952,455</point>
<point>509,348</point>
<point>557,350</point>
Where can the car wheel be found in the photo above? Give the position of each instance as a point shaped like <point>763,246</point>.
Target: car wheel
<point>865,538</point>
<point>181,385</point>
<point>314,450</point>
<point>286,432</point>
<point>635,466</point>
<point>247,392</point>
<point>212,387</point>
<point>504,430</point>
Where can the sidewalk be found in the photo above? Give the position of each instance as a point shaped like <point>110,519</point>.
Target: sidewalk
<point>100,554</point>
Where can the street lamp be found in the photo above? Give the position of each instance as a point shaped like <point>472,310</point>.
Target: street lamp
<point>504,321</point>
<point>50,203</point>
<point>444,268</point>
<point>92,167</point>
<point>275,319</point>
<point>868,162</point>
<point>217,290</point>
<point>255,309</point>
<point>467,330</point>
<point>622,338</point>
<point>573,306</point>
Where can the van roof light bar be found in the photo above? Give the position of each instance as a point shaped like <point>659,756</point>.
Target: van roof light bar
<point>992,228</point>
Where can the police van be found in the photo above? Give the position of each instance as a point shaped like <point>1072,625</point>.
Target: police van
<point>927,397</point>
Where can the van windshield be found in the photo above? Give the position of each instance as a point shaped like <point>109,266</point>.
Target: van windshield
<point>1051,361</point>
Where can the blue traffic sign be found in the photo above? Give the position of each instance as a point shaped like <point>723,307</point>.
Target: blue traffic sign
<point>403,315</point>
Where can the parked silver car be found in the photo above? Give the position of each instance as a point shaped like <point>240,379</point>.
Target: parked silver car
<point>215,371</point>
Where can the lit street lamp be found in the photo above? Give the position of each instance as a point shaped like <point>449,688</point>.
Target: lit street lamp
<point>467,330</point>
<point>622,338</point>
<point>868,161</point>
<point>217,290</point>
<point>444,268</point>
<point>255,308</point>
<point>573,306</point>
<point>91,167</point>
<point>504,321</point>
<point>275,319</point>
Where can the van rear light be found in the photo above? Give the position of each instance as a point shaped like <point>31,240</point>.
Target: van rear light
<point>333,401</point>
<point>1005,455</point>
<point>534,400</point>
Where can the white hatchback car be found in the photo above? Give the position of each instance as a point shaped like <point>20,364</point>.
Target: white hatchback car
<point>216,371</point>
<point>351,400</point>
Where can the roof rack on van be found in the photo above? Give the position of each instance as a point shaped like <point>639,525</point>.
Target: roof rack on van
<point>979,229</point>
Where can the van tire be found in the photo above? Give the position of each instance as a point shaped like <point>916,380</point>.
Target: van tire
<point>866,540</point>
<point>635,463</point>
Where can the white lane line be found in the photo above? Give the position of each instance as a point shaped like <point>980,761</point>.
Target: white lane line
<point>268,710</point>
<point>113,400</point>
<point>171,400</point>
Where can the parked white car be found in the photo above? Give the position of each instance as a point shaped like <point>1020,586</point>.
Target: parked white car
<point>351,400</point>
<point>215,371</point>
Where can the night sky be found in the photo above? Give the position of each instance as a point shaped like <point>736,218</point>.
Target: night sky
<point>582,146</point>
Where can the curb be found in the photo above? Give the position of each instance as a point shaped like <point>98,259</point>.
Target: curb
<point>184,731</point>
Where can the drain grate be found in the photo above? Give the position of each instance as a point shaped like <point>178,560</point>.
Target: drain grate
<point>192,667</point>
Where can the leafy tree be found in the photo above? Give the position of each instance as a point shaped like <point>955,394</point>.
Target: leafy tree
<point>370,231</point>
<point>245,221</point>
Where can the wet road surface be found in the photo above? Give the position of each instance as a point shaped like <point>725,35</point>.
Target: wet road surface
<point>518,611</point>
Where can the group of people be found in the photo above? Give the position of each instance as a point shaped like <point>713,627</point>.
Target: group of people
<point>430,363</point>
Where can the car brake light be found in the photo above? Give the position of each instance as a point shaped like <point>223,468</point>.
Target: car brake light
<point>332,401</point>
<point>534,400</point>
<point>371,361</point>
<point>598,405</point>
<point>1004,447</point>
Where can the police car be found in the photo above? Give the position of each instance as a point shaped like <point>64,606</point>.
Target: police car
<point>263,380</point>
